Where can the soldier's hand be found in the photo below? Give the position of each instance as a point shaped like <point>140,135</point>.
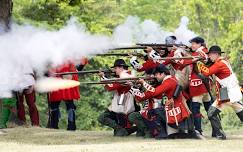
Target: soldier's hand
<point>101,74</point>
<point>29,90</point>
<point>195,59</point>
<point>170,103</point>
<point>148,49</point>
<point>68,77</point>
<point>130,54</point>
<point>129,83</point>
<point>174,47</point>
<point>141,81</point>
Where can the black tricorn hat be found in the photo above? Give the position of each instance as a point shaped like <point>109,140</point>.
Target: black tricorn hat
<point>215,49</point>
<point>119,63</point>
<point>197,40</point>
<point>150,71</point>
<point>161,69</point>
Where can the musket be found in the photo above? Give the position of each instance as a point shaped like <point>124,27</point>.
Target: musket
<point>145,45</point>
<point>122,54</point>
<point>157,45</point>
<point>127,79</point>
<point>119,80</point>
<point>85,72</point>
<point>93,83</point>
<point>130,47</point>
<point>180,58</point>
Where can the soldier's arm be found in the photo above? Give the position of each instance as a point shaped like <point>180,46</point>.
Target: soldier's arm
<point>208,71</point>
<point>153,92</point>
<point>113,86</point>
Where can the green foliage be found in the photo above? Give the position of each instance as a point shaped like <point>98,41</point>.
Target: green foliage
<point>219,21</point>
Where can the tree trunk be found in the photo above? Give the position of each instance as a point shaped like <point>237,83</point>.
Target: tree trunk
<point>5,15</point>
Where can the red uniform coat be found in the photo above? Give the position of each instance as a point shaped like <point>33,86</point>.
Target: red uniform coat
<point>148,65</point>
<point>65,94</point>
<point>175,65</point>
<point>196,86</point>
<point>219,69</point>
<point>168,87</point>
<point>120,88</point>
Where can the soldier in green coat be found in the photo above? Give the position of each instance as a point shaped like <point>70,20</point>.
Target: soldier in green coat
<point>8,105</point>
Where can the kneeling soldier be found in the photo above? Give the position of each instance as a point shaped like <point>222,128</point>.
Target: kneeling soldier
<point>148,119</point>
<point>176,110</point>
<point>122,103</point>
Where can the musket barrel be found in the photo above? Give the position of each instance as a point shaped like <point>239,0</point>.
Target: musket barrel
<point>179,58</point>
<point>83,72</point>
<point>113,54</point>
<point>159,45</point>
<point>128,79</point>
<point>121,54</point>
<point>118,80</point>
<point>95,82</point>
<point>154,44</point>
<point>127,48</point>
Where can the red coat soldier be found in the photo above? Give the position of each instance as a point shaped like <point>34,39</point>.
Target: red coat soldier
<point>228,89</point>
<point>69,96</point>
<point>197,89</point>
<point>176,110</point>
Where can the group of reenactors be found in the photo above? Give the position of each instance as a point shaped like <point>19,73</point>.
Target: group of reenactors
<point>166,106</point>
<point>169,106</point>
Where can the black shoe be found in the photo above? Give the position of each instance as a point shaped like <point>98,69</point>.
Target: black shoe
<point>131,130</point>
<point>140,133</point>
<point>195,135</point>
<point>71,126</point>
<point>220,135</point>
<point>199,132</point>
<point>162,134</point>
<point>120,132</point>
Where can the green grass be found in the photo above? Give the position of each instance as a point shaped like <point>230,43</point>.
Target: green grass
<point>40,139</point>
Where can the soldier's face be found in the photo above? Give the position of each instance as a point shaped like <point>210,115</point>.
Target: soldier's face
<point>213,56</point>
<point>159,76</point>
<point>118,70</point>
<point>161,52</point>
<point>195,46</point>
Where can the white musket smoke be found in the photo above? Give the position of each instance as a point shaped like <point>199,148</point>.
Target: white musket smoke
<point>38,47</point>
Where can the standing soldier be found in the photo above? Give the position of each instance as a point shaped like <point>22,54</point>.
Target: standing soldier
<point>228,89</point>
<point>198,89</point>
<point>27,92</point>
<point>67,95</point>
<point>122,103</point>
<point>80,65</point>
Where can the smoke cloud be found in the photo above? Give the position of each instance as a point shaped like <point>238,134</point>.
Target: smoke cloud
<point>26,47</point>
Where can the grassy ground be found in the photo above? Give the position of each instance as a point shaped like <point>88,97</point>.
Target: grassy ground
<point>39,140</point>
